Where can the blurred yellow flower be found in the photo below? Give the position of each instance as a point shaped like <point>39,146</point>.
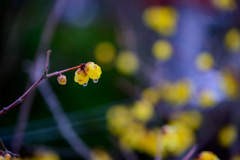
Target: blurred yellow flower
<point>104,52</point>
<point>162,50</point>
<point>133,136</point>
<point>150,142</point>
<point>151,95</point>
<point>227,135</point>
<point>118,118</point>
<point>93,70</point>
<point>8,156</point>
<point>2,158</point>
<point>142,110</point>
<point>230,85</point>
<point>99,154</point>
<point>177,93</point>
<point>207,98</point>
<point>225,5</point>
<point>232,40</point>
<point>190,118</point>
<point>42,154</point>
<point>161,19</point>
<point>236,157</point>
<point>177,138</point>
<point>206,155</point>
<point>204,61</point>
<point>127,63</point>
<point>81,77</point>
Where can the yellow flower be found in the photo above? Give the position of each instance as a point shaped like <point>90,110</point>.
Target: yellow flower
<point>177,93</point>
<point>206,155</point>
<point>81,77</point>
<point>161,19</point>
<point>142,110</point>
<point>99,154</point>
<point>119,117</point>
<point>204,61</point>
<point>127,63</point>
<point>225,5</point>
<point>230,85</point>
<point>227,135</point>
<point>190,118</point>
<point>2,158</point>
<point>62,79</point>
<point>93,70</point>
<point>207,98</point>
<point>162,50</point>
<point>105,52</point>
<point>232,40</point>
<point>236,157</point>
<point>151,95</point>
<point>8,156</point>
<point>42,154</point>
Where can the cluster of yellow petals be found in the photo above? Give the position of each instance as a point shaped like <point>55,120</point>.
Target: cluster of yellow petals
<point>204,61</point>
<point>227,135</point>
<point>162,50</point>
<point>177,93</point>
<point>127,63</point>
<point>206,155</point>
<point>161,19</point>
<point>90,70</point>
<point>225,5</point>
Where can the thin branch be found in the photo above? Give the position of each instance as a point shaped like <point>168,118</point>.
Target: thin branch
<point>20,99</point>
<point>47,62</point>
<point>191,152</point>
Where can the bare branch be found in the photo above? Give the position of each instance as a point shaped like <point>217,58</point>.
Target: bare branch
<point>47,62</point>
<point>20,99</point>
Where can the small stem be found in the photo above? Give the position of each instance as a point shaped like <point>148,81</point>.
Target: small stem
<point>47,62</point>
<point>65,70</point>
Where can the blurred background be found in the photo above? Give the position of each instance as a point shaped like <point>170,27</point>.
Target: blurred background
<point>170,79</point>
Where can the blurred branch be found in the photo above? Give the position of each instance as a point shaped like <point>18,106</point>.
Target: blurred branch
<point>191,152</point>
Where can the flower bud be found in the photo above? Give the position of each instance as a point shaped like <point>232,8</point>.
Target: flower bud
<point>93,70</point>
<point>81,76</point>
<point>62,79</point>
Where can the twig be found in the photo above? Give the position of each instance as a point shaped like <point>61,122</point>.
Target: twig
<point>47,62</point>
<point>191,152</point>
<point>20,99</point>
